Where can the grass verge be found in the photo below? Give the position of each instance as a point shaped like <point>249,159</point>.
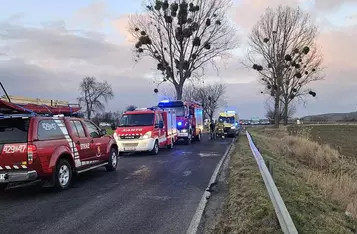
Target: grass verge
<point>316,183</point>
<point>247,208</point>
<point>340,137</point>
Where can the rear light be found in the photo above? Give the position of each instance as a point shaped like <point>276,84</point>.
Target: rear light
<point>31,153</point>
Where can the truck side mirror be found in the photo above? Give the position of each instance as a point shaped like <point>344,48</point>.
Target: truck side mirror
<point>103,132</point>
<point>161,124</point>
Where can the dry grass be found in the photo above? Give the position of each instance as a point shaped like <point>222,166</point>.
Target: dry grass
<point>248,208</point>
<point>324,182</point>
<point>340,137</point>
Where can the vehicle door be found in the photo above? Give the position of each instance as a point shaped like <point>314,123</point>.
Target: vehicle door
<point>164,129</point>
<point>98,142</point>
<point>81,140</point>
<point>157,131</point>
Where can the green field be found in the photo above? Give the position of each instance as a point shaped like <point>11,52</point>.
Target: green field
<point>340,137</point>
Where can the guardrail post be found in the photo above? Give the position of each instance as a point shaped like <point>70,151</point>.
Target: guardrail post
<point>270,167</point>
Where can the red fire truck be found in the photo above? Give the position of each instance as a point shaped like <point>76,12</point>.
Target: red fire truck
<point>146,129</point>
<point>189,118</point>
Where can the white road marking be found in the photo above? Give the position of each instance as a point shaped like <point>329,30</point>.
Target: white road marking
<point>196,219</point>
<point>209,154</point>
<point>187,173</point>
<point>158,198</point>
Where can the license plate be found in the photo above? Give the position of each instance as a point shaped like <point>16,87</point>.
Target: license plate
<point>183,134</point>
<point>2,177</point>
<point>129,149</point>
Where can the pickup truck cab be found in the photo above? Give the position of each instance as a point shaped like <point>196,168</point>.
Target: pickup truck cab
<point>51,149</point>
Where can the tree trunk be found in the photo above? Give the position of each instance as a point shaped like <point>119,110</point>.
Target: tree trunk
<point>286,112</point>
<point>179,91</point>
<point>277,108</point>
<point>89,112</point>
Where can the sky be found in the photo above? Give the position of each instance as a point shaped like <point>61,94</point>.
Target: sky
<point>48,47</point>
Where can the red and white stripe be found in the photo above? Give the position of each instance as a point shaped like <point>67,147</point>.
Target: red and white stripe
<point>13,167</point>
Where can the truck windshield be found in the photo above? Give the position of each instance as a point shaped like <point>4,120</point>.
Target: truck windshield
<point>226,119</point>
<point>14,130</point>
<point>180,110</point>
<point>137,120</point>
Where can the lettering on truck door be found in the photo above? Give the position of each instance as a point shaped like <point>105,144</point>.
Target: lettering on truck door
<point>81,140</point>
<point>98,142</point>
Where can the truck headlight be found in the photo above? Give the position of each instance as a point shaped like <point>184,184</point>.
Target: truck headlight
<point>115,135</point>
<point>233,127</point>
<point>184,130</point>
<point>147,135</point>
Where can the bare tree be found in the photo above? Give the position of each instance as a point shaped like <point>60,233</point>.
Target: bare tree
<point>130,108</point>
<point>284,53</point>
<point>183,36</point>
<point>270,112</point>
<point>94,94</point>
<point>211,96</point>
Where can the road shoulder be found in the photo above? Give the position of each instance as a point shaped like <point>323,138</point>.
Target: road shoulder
<point>240,202</point>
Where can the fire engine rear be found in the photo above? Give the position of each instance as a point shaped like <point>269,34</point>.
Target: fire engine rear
<point>189,118</point>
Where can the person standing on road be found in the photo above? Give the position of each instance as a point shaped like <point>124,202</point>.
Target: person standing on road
<point>212,129</point>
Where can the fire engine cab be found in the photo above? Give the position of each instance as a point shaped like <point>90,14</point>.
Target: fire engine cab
<point>146,129</point>
<point>189,118</point>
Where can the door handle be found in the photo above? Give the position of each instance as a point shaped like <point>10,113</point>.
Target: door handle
<point>78,143</point>
<point>92,141</point>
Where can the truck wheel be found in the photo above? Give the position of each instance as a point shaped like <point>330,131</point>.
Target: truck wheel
<point>113,160</point>
<point>188,140</point>
<point>63,175</point>
<point>198,137</point>
<point>155,150</point>
<point>171,145</point>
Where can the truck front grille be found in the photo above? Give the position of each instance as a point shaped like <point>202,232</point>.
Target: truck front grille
<point>130,137</point>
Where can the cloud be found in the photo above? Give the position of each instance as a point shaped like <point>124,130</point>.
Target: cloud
<point>91,16</point>
<point>50,60</point>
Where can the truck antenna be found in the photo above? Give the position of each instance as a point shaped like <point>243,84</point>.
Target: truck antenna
<point>7,96</point>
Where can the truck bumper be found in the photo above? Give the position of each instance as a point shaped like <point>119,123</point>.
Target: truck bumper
<point>231,132</point>
<point>17,176</point>
<point>136,145</point>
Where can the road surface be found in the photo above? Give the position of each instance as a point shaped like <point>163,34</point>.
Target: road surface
<point>147,194</point>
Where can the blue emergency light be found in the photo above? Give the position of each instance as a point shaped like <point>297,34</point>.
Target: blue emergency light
<point>165,101</point>
<point>179,124</point>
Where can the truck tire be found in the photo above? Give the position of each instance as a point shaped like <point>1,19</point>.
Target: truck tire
<point>62,175</point>
<point>198,137</point>
<point>113,160</point>
<point>155,150</point>
<point>188,140</point>
<point>171,145</point>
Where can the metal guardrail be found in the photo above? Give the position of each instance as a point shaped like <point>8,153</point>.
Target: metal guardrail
<point>281,211</point>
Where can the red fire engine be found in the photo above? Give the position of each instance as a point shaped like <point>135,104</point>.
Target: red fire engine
<point>146,129</point>
<point>189,118</point>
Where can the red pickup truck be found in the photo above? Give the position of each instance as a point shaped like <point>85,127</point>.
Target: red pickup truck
<point>51,149</point>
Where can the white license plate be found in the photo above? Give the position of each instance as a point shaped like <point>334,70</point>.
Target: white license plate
<point>183,134</point>
<point>129,148</point>
<point>2,177</point>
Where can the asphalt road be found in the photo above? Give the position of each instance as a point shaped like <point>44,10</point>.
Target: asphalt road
<point>147,194</point>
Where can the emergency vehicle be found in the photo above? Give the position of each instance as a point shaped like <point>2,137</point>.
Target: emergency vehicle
<point>146,129</point>
<point>189,118</point>
<point>230,120</point>
<point>38,146</point>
